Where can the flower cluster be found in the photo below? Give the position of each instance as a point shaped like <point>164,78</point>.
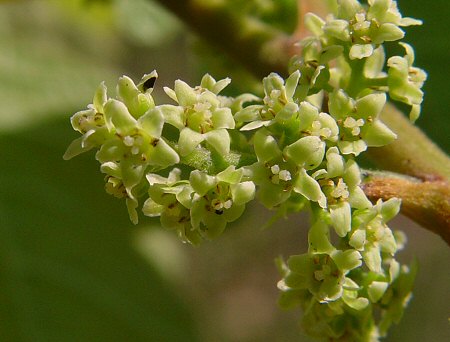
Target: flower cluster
<point>132,144</point>
<point>198,162</point>
<point>199,207</point>
<point>353,38</point>
<point>308,155</point>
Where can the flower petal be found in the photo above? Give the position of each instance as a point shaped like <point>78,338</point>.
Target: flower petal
<point>188,141</point>
<point>220,140</point>
<point>307,152</point>
<point>266,147</point>
<point>117,114</point>
<point>308,187</point>
<point>152,123</point>
<point>201,182</point>
<point>341,218</point>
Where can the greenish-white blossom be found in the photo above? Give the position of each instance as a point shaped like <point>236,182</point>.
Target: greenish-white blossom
<point>197,163</point>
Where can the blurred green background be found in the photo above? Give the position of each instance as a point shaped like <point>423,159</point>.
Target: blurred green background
<point>73,267</point>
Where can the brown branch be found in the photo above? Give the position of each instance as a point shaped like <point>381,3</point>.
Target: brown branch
<point>257,46</point>
<point>425,202</point>
<point>413,153</point>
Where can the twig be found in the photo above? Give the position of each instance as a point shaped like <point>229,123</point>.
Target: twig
<point>413,153</point>
<point>425,202</point>
<point>257,46</point>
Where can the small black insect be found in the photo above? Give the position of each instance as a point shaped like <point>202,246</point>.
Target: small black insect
<point>149,84</point>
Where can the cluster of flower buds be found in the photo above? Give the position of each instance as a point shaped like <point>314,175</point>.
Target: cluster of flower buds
<point>198,162</point>
<point>353,36</point>
<point>129,133</point>
<point>307,155</point>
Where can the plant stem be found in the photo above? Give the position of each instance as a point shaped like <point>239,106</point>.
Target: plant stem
<point>357,79</point>
<point>413,153</point>
<point>254,44</point>
<point>425,202</point>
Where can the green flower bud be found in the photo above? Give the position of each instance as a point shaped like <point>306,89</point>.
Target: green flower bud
<point>341,218</point>
<point>335,163</point>
<point>338,29</point>
<point>405,81</point>
<point>137,98</point>
<point>348,8</point>
<point>208,82</point>
<point>314,23</point>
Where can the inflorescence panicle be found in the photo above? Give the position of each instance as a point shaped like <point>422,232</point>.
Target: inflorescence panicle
<point>304,135</point>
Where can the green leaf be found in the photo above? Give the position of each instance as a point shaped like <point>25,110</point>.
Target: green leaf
<point>51,60</point>
<point>283,14</point>
<point>68,271</point>
<point>145,22</point>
